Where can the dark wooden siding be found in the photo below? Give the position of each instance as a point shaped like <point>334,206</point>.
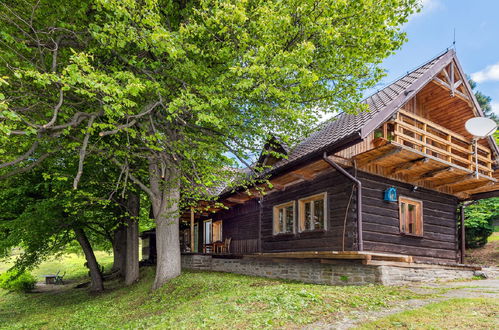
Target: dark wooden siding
<point>338,190</point>
<point>240,221</point>
<point>381,221</point>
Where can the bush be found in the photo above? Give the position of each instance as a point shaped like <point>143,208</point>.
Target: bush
<point>19,282</point>
<point>478,221</point>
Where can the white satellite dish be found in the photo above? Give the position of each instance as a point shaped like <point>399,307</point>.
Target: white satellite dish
<point>480,127</point>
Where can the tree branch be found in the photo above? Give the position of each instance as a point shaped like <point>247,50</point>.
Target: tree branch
<point>83,152</point>
<point>23,157</point>
<point>118,128</point>
<point>135,180</point>
<point>29,167</point>
<point>56,110</point>
<point>148,110</point>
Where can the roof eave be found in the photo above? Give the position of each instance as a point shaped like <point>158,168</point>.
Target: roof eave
<point>315,155</point>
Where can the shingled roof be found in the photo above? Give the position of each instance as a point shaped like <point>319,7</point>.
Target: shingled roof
<point>382,105</point>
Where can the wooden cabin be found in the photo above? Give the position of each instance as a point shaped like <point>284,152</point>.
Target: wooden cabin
<point>384,182</point>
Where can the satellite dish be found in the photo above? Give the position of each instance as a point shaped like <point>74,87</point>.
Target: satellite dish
<point>480,127</point>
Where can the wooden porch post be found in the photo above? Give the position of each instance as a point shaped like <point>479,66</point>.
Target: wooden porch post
<point>192,230</point>
<point>462,234</point>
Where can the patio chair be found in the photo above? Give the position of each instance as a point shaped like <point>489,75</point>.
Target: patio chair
<point>226,246</point>
<point>58,278</point>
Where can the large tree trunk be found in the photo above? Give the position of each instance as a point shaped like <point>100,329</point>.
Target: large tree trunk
<point>166,189</point>
<point>97,284</point>
<point>132,239</point>
<point>119,250</point>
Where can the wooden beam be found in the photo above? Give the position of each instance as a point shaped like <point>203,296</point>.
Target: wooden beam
<point>303,175</point>
<point>441,83</point>
<point>237,200</point>
<point>446,74</point>
<point>192,229</point>
<point>457,93</point>
<point>409,165</point>
<point>433,173</point>
<point>470,187</point>
<point>387,154</point>
<point>451,81</point>
<point>455,180</point>
<point>277,186</point>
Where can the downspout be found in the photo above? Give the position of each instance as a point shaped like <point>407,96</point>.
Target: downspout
<point>260,210</point>
<point>358,184</point>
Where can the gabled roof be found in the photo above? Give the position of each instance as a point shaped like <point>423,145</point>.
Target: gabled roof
<point>382,105</point>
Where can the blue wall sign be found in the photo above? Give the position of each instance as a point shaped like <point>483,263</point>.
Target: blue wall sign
<point>391,194</point>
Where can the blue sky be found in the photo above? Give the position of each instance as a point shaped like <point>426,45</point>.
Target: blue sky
<point>477,41</point>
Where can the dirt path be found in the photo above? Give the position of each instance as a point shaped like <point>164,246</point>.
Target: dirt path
<point>488,288</point>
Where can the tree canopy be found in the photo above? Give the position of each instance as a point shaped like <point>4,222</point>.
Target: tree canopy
<point>172,91</point>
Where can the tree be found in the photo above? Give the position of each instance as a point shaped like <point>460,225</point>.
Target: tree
<point>484,101</point>
<point>42,214</point>
<point>175,87</point>
<point>479,216</point>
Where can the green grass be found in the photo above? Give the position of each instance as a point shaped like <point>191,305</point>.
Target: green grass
<point>71,264</point>
<point>193,300</point>
<point>461,313</point>
<point>493,238</point>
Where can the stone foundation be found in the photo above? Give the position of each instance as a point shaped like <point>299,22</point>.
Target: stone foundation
<point>332,274</point>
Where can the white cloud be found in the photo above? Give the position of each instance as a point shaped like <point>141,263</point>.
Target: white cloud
<point>429,5</point>
<point>490,73</point>
<point>495,107</point>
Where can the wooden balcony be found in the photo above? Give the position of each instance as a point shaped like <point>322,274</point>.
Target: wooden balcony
<point>432,139</point>
<point>413,149</point>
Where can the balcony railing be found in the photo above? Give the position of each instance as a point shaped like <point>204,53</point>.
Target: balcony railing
<point>432,139</point>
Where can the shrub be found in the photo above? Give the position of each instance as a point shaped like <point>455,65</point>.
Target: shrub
<point>15,281</point>
<point>478,221</point>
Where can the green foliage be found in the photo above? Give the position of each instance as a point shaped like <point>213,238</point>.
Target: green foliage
<point>480,216</point>
<point>167,94</point>
<point>484,101</point>
<point>70,264</point>
<point>186,84</point>
<point>39,209</point>
<point>478,221</point>
<point>208,299</point>
<point>15,281</point>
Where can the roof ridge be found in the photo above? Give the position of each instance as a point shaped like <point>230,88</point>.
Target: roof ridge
<point>408,72</point>
<point>344,125</point>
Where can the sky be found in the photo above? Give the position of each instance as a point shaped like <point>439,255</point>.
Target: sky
<point>430,32</point>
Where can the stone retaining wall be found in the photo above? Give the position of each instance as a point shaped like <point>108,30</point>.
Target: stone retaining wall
<point>332,274</point>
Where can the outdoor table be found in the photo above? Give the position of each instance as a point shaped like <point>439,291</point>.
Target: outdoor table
<point>50,279</point>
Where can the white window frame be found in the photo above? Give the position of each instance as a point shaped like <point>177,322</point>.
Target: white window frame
<point>301,211</point>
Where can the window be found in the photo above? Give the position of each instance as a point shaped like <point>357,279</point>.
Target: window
<point>312,213</point>
<point>217,231</point>
<point>411,216</point>
<point>284,218</point>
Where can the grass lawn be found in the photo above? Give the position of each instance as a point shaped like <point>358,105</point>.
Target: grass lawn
<point>462,313</point>
<point>494,237</point>
<point>71,264</point>
<point>194,300</point>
